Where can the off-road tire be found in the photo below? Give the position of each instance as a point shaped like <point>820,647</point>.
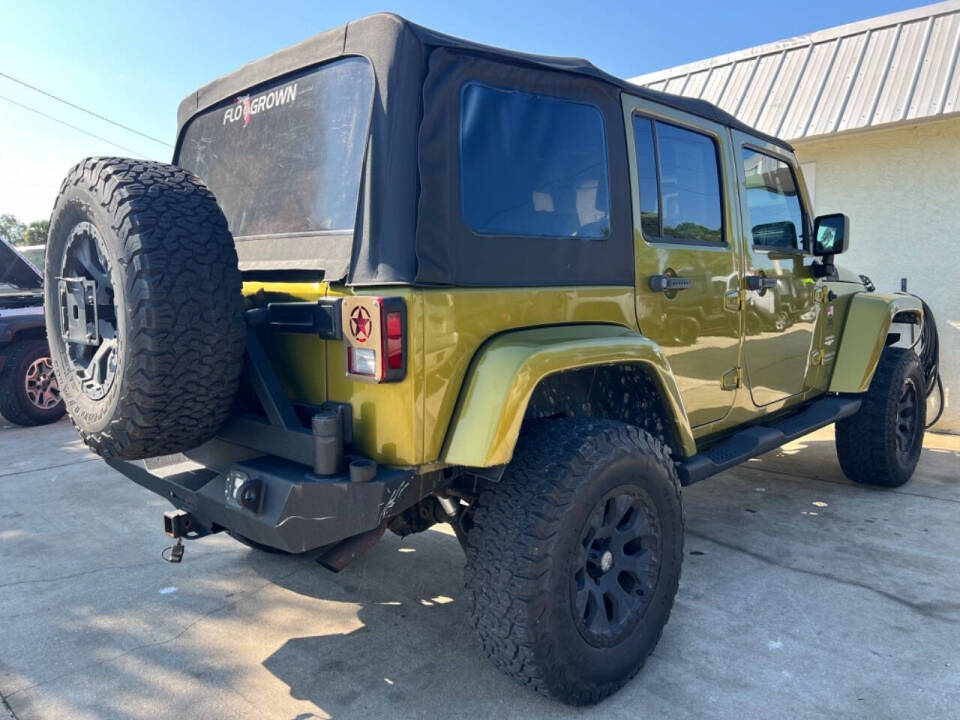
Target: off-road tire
<point>178,304</point>
<point>15,406</point>
<point>522,545</point>
<point>866,442</point>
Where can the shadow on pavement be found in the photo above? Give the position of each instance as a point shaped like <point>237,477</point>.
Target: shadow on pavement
<point>802,595</point>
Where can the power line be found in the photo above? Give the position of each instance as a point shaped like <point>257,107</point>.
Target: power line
<point>74,127</point>
<point>83,109</point>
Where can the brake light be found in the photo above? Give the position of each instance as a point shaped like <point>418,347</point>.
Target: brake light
<point>394,340</point>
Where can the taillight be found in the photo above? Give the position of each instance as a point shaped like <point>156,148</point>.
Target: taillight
<point>394,340</point>
<point>374,331</point>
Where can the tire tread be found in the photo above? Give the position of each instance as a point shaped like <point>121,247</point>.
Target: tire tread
<point>511,543</point>
<point>864,440</point>
<point>184,307</point>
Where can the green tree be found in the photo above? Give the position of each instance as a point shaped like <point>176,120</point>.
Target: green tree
<point>11,229</point>
<point>36,233</point>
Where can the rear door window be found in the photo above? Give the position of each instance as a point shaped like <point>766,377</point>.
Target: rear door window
<point>532,165</point>
<point>681,198</point>
<point>287,158</point>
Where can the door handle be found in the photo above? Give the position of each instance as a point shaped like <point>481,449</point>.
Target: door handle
<point>760,282</point>
<point>665,283</point>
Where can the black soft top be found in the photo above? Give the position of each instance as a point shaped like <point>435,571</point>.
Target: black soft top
<point>416,71</point>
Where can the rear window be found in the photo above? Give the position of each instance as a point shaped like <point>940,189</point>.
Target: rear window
<point>532,165</point>
<point>287,158</point>
<point>679,183</point>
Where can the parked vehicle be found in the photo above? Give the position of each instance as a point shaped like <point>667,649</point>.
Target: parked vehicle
<point>29,394</point>
<point>393,278</point>
<point>34,254</point>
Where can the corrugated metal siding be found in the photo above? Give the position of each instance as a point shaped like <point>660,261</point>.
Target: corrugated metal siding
<point>885,70</point>
<point>942,52</point>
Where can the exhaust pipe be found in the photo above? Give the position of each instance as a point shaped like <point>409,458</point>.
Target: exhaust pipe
<point>346,551</point>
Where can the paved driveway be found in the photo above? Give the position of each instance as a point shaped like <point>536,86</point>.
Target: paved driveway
<point>802,596</point>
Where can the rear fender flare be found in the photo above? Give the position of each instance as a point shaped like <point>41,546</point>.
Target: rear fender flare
<point>506,370</point>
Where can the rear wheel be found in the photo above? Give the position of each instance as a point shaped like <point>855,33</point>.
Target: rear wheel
<point>29,393</point>
<point>573,558</point>
<point>881,444</point>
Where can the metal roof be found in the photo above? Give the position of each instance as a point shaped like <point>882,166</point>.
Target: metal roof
<point>888,69</point>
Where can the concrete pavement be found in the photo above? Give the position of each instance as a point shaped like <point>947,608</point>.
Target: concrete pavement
<point>802,596</point>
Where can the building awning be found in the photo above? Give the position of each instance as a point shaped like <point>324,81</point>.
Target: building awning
<point>882,71</point>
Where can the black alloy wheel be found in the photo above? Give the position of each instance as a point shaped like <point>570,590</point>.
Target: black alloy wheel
<point>908,428</point>
<point>617,568</point>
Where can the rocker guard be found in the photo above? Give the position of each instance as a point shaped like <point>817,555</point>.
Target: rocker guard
<point>298,511</point>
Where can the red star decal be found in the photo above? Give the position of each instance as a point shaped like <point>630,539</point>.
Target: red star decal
<point>360,324</point>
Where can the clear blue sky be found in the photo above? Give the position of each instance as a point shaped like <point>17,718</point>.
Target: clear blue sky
<point>134,61</point>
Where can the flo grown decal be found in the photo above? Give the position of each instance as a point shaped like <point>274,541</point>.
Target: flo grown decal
<point>246,107</point>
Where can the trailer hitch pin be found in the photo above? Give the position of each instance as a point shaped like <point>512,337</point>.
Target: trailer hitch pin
<point>174,553</point>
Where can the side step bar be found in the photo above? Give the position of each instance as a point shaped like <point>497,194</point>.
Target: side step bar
<point>759,439</point>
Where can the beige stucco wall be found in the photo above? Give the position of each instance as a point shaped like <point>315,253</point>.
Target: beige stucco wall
<point>901,189</point>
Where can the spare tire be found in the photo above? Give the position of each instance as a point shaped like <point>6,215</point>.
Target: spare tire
<point>144,308</point>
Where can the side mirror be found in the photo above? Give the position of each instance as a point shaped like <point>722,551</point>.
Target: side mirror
<point>831,235</point>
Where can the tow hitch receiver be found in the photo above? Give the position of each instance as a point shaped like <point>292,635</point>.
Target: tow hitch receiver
<point>179,524</point>
<point>176,524</point>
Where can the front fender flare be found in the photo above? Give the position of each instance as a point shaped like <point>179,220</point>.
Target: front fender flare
<point>865,331</point>
<point>12,325</point>
<point>507,369</point>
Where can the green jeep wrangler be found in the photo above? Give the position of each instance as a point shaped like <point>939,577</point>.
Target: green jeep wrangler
<point>393,279</point>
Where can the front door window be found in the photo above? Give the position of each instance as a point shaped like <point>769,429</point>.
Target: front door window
<point>774,215</point>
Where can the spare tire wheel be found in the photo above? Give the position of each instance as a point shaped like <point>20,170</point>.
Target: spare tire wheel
<point>144,309</point>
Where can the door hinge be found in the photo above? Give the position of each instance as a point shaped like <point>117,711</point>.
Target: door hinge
<point>816,357</point>
<point>731,379</point>
<point>821,293</point>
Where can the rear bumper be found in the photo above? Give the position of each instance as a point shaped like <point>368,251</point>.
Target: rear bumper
<point>295,510</point>
<point>278,478</point>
